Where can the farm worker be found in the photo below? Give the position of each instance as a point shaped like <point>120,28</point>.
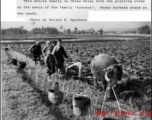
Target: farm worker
<point>48,46</point>
<point>50,62</point>
<point>106,71</point>
<point>73,65</point>
<point>59,54</point>
<point>53,45</point>
<point>36,52</point>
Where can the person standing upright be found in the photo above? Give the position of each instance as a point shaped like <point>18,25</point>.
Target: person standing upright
<point>46,47</point>
<point>36,52</point>
<point>50,60</point>
<point>59,54</point>
<point>53,45</point>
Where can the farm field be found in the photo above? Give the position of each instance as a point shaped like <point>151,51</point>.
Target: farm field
<point>72,36</point>
<point>24,91</point>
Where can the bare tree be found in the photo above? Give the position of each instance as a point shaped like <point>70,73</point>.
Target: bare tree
<point>21,27</point>
<point>61,27</point>
<point>101,31</point>
<point>69,31</point>
<point>75,29</point>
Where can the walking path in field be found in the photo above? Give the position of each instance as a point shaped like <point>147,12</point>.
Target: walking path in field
<point>8,55</point>
<point>21,96</point>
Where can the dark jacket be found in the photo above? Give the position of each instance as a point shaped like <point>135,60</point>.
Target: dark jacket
<point>59,55</point>
<point>36,50</point>
<point>50,63</point>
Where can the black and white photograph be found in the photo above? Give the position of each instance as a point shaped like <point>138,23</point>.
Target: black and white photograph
<point>76,70</point>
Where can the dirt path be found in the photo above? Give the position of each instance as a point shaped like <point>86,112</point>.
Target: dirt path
<point>22,98</point>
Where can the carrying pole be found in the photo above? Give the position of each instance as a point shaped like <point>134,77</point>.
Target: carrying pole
<point>103,104</point>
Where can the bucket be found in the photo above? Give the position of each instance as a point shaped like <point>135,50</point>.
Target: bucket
<point>81,105</point>
<point>6,49</point>
<point>22,65</point>
<point>14,61</point>
<point>55,97</point>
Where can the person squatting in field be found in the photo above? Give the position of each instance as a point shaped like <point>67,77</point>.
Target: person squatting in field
<point>59,54</point>
<point>36,52</point>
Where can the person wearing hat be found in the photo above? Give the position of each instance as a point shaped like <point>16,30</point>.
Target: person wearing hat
<point>36,52</point>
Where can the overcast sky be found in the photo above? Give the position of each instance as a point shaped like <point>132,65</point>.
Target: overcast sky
<point>79,25</point>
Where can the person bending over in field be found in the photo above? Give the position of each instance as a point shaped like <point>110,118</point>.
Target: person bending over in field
<point>74,68</point>
<point>36,52</point>
<point>59,54</point>
<point>78,67</point>
<point>50,62</point>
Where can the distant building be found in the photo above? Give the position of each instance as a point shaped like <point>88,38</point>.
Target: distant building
<point>77,32</point>
<point>132,31</point>
<point>39,32</point>
<point>87,31</point>
<point>97,32</point>
<point>9,32</point>
<point>109,32</point>
<point>30,32</point>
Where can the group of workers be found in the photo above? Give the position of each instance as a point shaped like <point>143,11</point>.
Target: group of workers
<point>54,56</point>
